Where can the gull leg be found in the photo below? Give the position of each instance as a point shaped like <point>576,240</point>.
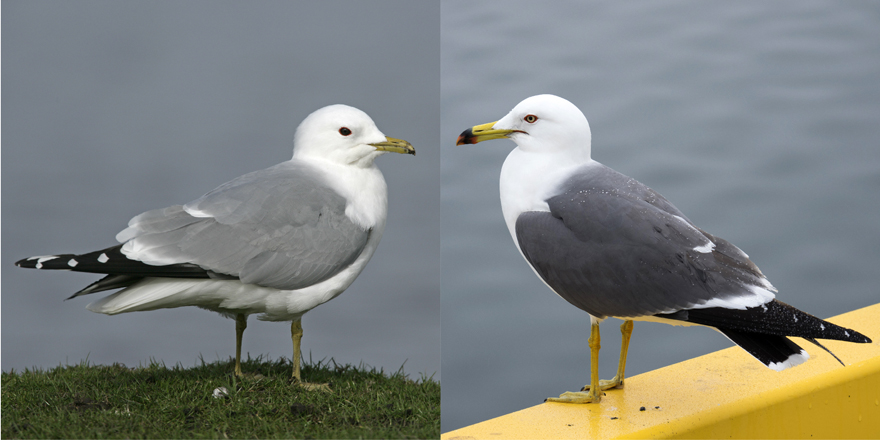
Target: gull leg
<point>626,330</point>
<point>296,333</point>
<point>594,394</point>
<point>240,325</point>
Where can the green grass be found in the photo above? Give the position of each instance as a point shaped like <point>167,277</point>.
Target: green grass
<point>94,401</point>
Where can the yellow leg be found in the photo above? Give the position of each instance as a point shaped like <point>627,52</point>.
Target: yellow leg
<point>626,330</point>
<point>594,395</point>
<point>240,325</point>
<point>296,333</point>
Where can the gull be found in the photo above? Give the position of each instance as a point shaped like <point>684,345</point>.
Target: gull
<point>613,247</point>
<point>276,242</point>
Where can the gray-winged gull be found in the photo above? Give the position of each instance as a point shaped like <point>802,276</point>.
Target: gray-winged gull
<point>613,247</point>
<point>276,242</point>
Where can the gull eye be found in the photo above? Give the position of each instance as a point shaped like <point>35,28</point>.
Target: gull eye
<point>531,119</point>
<point>344,131</point>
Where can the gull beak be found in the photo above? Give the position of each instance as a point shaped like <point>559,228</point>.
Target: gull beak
<point>483,132</point>
<point>395,146</point>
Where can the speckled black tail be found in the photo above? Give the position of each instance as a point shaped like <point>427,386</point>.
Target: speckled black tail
<point>773,318</point>
<point>110,261</point>
<point>762,331</point>
<point>120,270</point>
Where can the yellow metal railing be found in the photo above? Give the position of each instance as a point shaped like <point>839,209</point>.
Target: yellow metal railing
<point>725,394</point>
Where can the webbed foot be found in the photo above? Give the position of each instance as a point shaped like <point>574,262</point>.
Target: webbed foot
<point>323,387</point>
<point>576,397</point>
<point>616,382</point>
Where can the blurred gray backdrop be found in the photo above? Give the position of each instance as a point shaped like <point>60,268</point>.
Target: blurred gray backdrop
<point>759,120</point>
<point>114,108</point>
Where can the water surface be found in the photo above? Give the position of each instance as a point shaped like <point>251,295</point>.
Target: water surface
<point>760,121</point>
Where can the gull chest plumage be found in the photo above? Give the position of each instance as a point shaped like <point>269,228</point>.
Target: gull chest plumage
<point>276,242</point>
<point>366,195</point>
<point>528,179</point>
<point>613,247</point>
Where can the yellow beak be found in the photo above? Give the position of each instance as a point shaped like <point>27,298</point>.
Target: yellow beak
<point>395,146</point>
<point>483,132</point>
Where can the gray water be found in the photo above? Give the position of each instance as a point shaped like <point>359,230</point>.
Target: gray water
<point>114,108</point>
<point>759,120</point>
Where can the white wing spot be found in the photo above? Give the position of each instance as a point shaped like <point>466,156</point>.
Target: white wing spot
<point>103,258</point>
<point>822,326</point>
<point>72,263</point>
<point>40,260</point>
<point>846,332</point>
<point>706,248</point>
<point>795,318</point>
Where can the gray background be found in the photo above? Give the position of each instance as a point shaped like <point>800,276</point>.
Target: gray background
<point>114,108</point>
<point>759,120</point>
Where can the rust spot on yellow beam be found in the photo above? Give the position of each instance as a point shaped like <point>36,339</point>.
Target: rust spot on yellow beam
<point>723,394</point>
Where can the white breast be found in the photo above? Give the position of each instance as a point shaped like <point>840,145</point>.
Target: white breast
<point>363,187</point>
<point>528,179</point>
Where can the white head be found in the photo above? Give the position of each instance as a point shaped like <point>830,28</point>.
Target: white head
<point>344,134</point>
<point>539,123</point>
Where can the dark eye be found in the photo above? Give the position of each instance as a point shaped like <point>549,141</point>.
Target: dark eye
<point>530,119</point>
<point>344,131</point>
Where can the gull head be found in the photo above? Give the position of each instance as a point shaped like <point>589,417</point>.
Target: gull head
<point>542,123</point>
<point>345,135</point>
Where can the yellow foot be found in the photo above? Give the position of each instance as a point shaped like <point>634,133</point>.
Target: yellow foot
<point>606,384</point>
<point>323,387</point>
<point>249,376</point>
<point>576,397</point>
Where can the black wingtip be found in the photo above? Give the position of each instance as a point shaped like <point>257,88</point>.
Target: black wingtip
<point>774,317</point>
<point>41,262</point>
<point>860,338</point>
<point>826,350</point>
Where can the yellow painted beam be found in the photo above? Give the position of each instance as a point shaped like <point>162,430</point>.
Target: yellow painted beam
<point>726,394</point>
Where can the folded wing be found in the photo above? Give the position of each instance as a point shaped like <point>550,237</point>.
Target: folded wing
<point>283,227</point>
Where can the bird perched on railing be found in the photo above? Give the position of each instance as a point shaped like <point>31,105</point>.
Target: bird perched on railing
<point>613,247</point>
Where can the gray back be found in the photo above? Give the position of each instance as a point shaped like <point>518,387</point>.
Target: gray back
<point>614,247</point>
<point>281,227</point>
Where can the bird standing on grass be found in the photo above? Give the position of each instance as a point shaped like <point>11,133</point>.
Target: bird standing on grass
<point>613,247</point>
<point>276,242</point>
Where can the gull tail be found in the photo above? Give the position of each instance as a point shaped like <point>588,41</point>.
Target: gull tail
<point>111,261</point>
<point>762,331</point>
<point>121,271</point>
<point>776,352</point>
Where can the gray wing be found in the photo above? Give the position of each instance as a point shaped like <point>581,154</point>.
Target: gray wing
<point>281,227</point>
<point>613,247</point>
